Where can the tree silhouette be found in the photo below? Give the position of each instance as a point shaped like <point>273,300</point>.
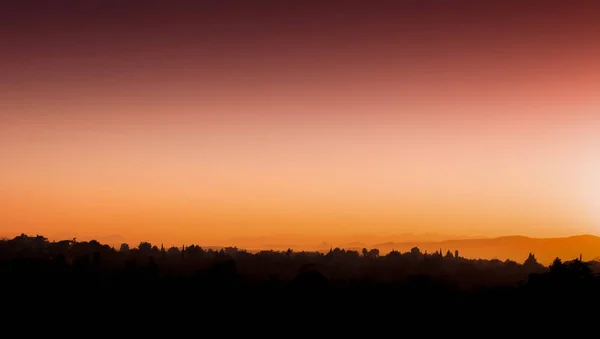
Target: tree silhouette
<point>145,248</point>
<point>82,270</point>
<point>124,248</point>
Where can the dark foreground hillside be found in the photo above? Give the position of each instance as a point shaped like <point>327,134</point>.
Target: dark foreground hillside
<point>72,278</point>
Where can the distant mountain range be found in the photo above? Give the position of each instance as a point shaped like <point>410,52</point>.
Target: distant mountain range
<point>349,241</point>
<point>509,247</point>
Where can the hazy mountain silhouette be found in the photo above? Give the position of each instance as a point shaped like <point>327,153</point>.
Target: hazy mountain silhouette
<point>509,247</point>
<point>312,243</point>
<point>506,247</point>
<point>502,248</point>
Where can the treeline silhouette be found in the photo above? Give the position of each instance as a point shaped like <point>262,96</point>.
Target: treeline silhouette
<point>78,271</point>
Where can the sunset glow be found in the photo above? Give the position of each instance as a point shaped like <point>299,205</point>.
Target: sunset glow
<point>204,124</point>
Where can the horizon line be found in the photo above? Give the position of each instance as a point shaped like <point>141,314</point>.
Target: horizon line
<point>453,238</point>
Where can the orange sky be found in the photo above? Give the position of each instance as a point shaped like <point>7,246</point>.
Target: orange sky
<point>196,124</point>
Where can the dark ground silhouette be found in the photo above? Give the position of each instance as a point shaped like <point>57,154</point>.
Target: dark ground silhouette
<point>72,276</point>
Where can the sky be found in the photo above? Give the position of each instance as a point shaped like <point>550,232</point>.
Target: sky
<point>196,121</point>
